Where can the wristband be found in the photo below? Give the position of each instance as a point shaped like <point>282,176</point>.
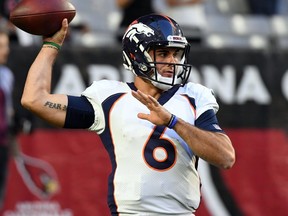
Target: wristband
<point>52,45</point>
<point>172,122</point>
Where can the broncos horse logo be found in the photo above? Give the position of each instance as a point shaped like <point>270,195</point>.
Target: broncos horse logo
<point>138,28</point>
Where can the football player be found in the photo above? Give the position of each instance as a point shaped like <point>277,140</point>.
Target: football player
<point>155,129</point>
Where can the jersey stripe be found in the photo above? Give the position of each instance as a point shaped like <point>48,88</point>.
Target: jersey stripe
<point>108,143</point>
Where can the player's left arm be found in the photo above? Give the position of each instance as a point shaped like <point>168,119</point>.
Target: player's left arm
<point>213,147</point>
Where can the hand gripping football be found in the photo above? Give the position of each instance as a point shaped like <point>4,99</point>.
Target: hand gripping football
<point>41,17</point>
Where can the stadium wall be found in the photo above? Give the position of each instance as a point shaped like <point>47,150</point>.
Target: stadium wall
<point>64,172</point>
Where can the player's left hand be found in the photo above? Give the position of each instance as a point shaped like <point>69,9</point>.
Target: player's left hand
<point>158,114</point>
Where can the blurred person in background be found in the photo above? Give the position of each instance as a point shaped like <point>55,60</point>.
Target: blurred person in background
<point>131,10</point>
<point>15,34</point>
<point>6,110</point>
<point>5,8</point>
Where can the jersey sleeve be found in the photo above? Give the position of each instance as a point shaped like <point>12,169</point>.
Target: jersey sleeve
<point>96,93</point>
<point>92,95</point>
<point>204,100</point>
<point>208,121</point>
<point>206,108</point>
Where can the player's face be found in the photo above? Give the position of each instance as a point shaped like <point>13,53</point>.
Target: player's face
<point>169,55</point>
<point>4,48</point>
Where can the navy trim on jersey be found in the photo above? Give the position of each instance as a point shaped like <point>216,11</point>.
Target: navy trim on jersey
<point>191,100</point>
<point>164,97</point>
<point>208,121</point>
<point>108,144</point>
<point>80,113</point>
<point>132,86</point>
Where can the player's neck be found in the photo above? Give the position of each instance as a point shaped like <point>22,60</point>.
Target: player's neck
<point>147,87</point>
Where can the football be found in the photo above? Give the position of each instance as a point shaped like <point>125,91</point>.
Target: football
<point>41,17</point>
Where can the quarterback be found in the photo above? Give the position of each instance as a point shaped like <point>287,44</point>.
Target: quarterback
<point>154,129</point>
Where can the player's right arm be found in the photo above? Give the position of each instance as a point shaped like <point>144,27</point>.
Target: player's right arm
<point>37,95</point>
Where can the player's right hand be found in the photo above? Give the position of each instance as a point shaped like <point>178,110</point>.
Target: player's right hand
<point>60,35</point>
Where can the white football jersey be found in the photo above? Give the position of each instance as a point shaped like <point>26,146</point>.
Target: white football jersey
<point>154,172</point>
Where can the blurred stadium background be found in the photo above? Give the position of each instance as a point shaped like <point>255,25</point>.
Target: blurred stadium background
<point>242,55</point>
